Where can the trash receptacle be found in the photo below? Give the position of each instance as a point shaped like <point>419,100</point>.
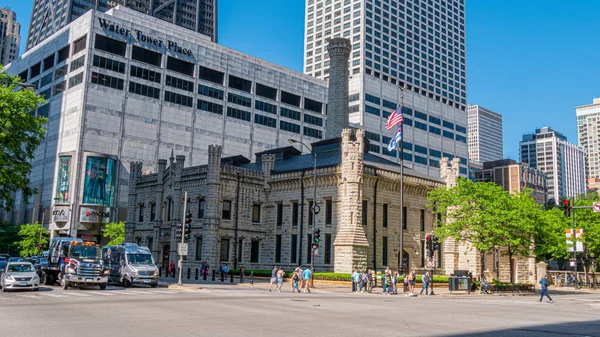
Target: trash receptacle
<point>460,280</point>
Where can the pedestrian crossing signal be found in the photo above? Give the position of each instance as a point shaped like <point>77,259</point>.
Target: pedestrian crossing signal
<point>317,236</point>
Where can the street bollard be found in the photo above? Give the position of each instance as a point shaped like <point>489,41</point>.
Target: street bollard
<point>159,271</point>
<point>204,275</point>
<point>222,276</point>
<point>213,275</point>
<point>196,274</point>
<point>231,280</point>
<point>175,271</point>
<point>188,275</point>
<point>241,277</point>
<point>251,277</point>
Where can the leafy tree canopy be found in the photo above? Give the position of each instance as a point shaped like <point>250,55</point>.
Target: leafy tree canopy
<point>116,232</point>
<point>29,239</point>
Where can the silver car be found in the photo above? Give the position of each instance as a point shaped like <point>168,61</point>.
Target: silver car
<point>19,275</point>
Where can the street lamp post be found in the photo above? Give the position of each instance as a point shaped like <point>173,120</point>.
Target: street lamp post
<point>314,206</point>
<point>41,225</point>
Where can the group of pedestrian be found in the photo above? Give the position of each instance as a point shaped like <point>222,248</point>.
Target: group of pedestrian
<point>364,280</point>
<point>300,279</point>
<point>204,269</point>
<point>222,270</point>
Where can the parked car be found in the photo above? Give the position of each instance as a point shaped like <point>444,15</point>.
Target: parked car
<point>19,275</point>
<point>3,262</point>
<point>17,259</point>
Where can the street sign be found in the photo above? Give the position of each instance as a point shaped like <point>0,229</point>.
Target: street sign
<point>596,207</point>
<point>182,249</point>
<point>316,251</point>
<point>431,263</point>
<point>578,242</point>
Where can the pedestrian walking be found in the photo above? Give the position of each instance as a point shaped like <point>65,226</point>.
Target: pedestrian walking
<point>242,274</point>
<point>370,278</point>
<point>405,280</point>
<point>171,268</point>
<point>355,280</point>
<point>425,280</point>
<point>364,280</point>
<point>295,280</point>
<point>273,277</point>
<point>544,282</point>
<point>307,274</point>
<point>280,274</point>
<point>395,282</point>
<point>225,270</point>
<point>412,281</point>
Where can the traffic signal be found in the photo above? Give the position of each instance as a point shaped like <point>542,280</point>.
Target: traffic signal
<point>178,233</point>
<point>429,246</point>
<point>41,246</point>
<point>317,236</point>
<point>436,243</point>
<point>567,204</point>
<point>187,226</point>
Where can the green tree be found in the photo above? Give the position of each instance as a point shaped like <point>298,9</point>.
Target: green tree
<point>116,232</point>
<point>549,235</point>
<point>29,239</point>
<point>472,213</point>
<point>589,221</point>
<point>20,134</point>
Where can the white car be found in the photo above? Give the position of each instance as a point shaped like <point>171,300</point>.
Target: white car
<point>19,275</point>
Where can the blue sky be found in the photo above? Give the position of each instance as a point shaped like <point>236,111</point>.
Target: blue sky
<point>532,61</point>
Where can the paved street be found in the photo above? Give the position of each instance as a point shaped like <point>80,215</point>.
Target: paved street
<point>245,310</point>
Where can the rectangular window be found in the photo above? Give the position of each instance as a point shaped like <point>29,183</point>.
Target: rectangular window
<point>76,80</point>
<point>210,92</point>
<point>313,120</point>
<point>48,63</point>
<point>240,250</point>
<point>254,251</point>
<point>291,127</point>
<point>311,105</point>
<point>328,211</point>
<point>277,248</point>
<point>422,220</point>
<point>180,66</point>
<point>150,243</point>
<point>141,213</point>
<point>384,251</point>
<point>308,248</point>
<point>310,213</point>
<point>107,81</point>
<point>365,205</point>
<point>224,250</point>
<point>144,90</point>
<point>290,99</point>
<point>313,132</point>
<point>78,63</point>
<point>152,212</point>
<point>284,112</point>
<point>240,84</point>
<point>210,107</point>
<point>294,249</point>
<point>199,248</point>
<point>179,83</point>
<point>201,206</point>
<point>210,75</point>
<point>35,70</point>
<point>256,213</point>
<point>179,99</point>
<point>404,217</point>
<point>328,245</point>
<point>279,214</point>
<point>295,213</point>
<point>385,215</point>
<point>145,74</point>
<point>239,114</point>
<point>79,45</point>
<point>109,64</point>
<point>108,45</point>
<point>266,107</point>
<point>226,213</point>
<point>240,100</point>
<point>146,56</point>
<point>267,92</point>
<point>63,54</point>
<point>47,79</point>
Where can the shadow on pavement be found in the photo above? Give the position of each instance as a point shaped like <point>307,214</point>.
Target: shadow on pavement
<point>560,329</point>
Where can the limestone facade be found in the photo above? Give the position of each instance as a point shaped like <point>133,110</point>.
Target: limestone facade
<point>254,212</point>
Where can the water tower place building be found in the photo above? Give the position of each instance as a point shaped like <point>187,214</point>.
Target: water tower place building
<point>124,87</point>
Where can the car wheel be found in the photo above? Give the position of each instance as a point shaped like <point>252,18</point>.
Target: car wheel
<point>47,279</point>
<point>126,282</point>
<point>102,286</point>
<point>154,285</point>
<point>65,284</point>
<point>36,289</point>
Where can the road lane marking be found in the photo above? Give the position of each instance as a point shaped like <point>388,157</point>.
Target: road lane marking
<point>28,296</point>
<point>100,293</point>
<point>52,295</point>
<point>138,292</point>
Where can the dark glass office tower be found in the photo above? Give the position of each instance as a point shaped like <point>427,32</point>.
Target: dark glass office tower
<point>48,16</point>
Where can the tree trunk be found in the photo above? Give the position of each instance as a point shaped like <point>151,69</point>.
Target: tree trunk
<point>481,257</point>
<point>510,265</point>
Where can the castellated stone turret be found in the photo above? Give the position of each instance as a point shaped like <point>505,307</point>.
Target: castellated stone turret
<point>351,243</point>
<point>337,102</point>
<point>212,213</point>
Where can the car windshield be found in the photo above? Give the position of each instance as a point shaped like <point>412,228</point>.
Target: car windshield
<point>20,268</point>
<point>84,252</point>
<point>42,260</point>
<point>2,258</point>
<point>140,259</point>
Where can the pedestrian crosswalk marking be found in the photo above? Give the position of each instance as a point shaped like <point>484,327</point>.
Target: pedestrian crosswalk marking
<point>52,295</point>
<point>101,293</point>
<point>78,294</point>
<point>138,292</point>
<point>28,296</point>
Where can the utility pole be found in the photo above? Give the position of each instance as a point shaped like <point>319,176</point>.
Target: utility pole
<point>41,226</point>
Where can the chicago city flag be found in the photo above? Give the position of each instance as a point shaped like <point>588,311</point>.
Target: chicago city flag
<point>397,138</point>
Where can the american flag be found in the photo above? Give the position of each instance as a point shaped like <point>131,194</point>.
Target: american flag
<point>394,119</point>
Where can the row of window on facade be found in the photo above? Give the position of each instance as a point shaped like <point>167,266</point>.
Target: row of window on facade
<point>227,212</point>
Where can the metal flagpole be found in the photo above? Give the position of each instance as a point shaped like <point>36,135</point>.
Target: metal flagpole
<point>401,257</point>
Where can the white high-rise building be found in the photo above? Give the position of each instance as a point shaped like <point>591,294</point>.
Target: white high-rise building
<point>417,45</point>
<point>588,134</point>
<point>484,134</point>
<point>563,162</point>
